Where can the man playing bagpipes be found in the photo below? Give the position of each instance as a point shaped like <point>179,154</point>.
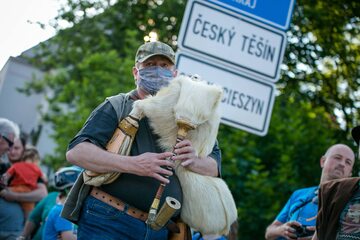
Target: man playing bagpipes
<point>119,210</point>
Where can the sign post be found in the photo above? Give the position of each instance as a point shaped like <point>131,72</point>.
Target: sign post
<point>276,13</point>
<point>238,45</point>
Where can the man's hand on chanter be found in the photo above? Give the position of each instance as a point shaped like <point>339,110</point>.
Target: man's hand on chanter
<point>186,153</point>
<point>153,165</point>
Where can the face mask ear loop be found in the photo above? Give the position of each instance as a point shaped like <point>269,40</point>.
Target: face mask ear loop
<point>137,73</point>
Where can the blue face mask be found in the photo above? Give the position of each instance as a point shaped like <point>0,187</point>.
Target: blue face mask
<point>152,79</point>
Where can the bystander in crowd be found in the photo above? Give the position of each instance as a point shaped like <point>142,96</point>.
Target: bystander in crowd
<point>57,227</point>
<point>339,206</point>
<point>23,176</point>
<point>297,219</point>
<point>11,214</point>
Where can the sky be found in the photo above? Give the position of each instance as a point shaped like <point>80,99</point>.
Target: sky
<point>18,28</point>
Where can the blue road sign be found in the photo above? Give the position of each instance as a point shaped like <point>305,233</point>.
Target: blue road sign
<point>274,12</point>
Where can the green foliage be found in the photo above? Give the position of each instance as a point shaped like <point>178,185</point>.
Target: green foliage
<point>97,77</point>
<point>262,172</point>
<point>324,37</point>
<point>94,59</point>
<point>318,91</point>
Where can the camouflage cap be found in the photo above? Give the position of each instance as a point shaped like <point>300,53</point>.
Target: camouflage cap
<point>150,49</point>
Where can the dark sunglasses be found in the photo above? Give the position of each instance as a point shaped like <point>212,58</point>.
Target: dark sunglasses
<point>11,143</point>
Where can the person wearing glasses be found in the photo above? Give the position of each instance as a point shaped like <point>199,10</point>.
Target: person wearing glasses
<point>23,176</point>
<point>8,131</point>
<point>9,143</point>
<point>11,214</point>
<point>14,154</point>
<point>56,227</point>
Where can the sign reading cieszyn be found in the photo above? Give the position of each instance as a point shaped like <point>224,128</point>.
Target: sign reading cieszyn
<point>276,13</point>
<point>231,39</point>
<point>246,103</point>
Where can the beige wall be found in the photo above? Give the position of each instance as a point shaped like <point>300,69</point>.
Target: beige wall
<point>20,108</point>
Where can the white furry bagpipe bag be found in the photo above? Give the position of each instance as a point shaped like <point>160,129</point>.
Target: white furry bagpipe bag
<point>208,205</point>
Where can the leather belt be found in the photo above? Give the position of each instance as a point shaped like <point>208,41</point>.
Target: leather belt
<point>118,204</point>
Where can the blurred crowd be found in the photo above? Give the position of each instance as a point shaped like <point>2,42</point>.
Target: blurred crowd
<point>25,203</point>
<point>29,211</point>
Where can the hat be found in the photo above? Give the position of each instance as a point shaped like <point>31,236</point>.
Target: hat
<point>355,132</point>
<point>150,49</point>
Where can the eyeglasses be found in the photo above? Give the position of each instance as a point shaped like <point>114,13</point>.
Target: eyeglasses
<point>11,143</point>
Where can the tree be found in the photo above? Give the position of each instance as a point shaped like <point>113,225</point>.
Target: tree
<point>94,58</point>
<point>322,60</point>
<point>262,172</point>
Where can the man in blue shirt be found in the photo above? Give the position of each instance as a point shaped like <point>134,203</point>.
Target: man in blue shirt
<point>55,226</point>
<point>301,208</point>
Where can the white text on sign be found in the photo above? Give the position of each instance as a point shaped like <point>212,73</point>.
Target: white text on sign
<point>252,45</point>
<point>233,40</point>
<point>243,101</point>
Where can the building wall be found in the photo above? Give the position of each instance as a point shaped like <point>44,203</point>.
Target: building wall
<point>20,108</point>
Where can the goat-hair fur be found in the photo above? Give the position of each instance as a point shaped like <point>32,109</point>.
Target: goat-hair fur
<point>208,205</point>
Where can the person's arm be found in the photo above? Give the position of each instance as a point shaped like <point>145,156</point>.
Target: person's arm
<point>5,178</point>
<point>87,149</point>
<point>68,235</point>
<point>187,154</point>
<point>29,228</point>
<point>34,220</point>
<point>34,196</point>
<point>315,236</point>
<point>279,229</point>
<point>91,157</point>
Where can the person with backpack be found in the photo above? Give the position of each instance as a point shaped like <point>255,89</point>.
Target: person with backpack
<point>23,176</point>
<point>297,219</point>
